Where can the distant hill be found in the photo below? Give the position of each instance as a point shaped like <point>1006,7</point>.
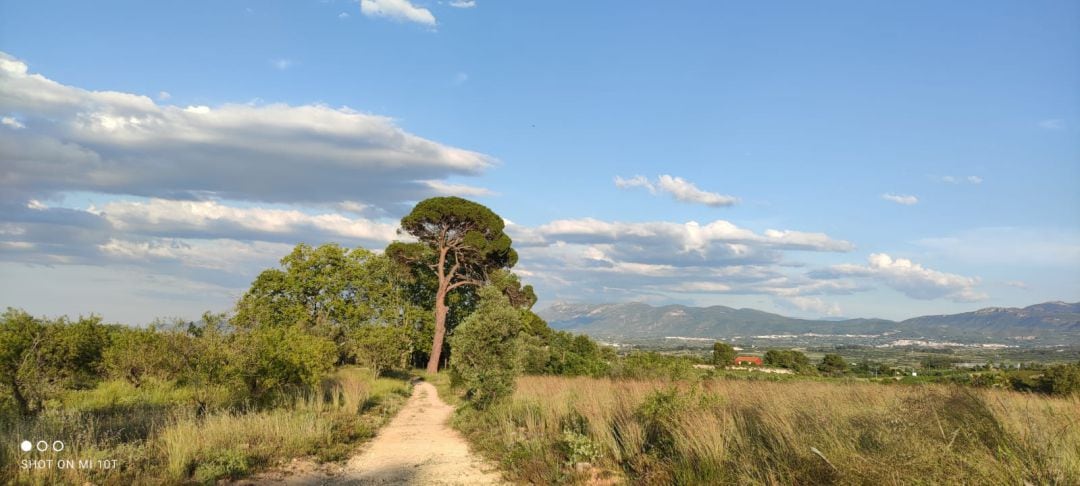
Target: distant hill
<point>636,321</point>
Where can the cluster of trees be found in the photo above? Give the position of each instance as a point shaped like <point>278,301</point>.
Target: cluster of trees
<point>325,306</point>
<point>723,354</point>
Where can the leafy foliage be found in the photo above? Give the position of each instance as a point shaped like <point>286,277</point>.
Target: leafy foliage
<point>723,354</point>
<point>832,363</point>
<point>1061,379</point>
<point>461,243</point>
<point>787,358</point>
<point>487,352</point>
<point>381,348</point>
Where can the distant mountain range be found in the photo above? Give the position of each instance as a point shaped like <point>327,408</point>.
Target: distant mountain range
<point>1055,322</point>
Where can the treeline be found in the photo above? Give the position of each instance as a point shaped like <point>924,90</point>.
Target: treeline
<point>325,307</point>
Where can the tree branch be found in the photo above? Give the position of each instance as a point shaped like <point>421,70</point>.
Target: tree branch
<point>464,282</point>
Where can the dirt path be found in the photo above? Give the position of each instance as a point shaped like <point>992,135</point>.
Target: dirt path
<point>416,447</point>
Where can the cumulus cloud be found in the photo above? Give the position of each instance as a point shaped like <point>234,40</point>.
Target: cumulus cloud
<point>602,260</point>
<point>910,278</point>
<point>690,237</point>
<point>810,304</point>
<point>163,95</point>
<point>443,188</point>
<point>636,181</point>
<point>463,3</point>
<point>11,122</point>
<point>123,143</point>
<point>400,10</point>
<point>679,188</point>
<point>906,200</point>
<point>212,219</point>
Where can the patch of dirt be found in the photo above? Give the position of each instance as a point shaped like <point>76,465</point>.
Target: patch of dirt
<point>416,447</point>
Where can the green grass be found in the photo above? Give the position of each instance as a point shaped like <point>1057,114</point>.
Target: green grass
<point>792,432</point>
<point>158,436</point>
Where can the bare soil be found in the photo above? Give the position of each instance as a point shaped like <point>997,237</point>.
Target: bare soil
<point>416,447</point>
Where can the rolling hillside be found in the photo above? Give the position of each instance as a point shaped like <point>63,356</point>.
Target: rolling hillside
<point>1052,321</point>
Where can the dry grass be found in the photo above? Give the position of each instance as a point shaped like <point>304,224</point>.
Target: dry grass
<point>176,445</point>
<point>738,432</point>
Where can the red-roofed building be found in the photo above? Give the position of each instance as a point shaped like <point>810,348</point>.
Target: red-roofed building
<point>748,360</point>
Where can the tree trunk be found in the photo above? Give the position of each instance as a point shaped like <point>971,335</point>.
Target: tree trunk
<point>440,329</point>
<point>20,401</point>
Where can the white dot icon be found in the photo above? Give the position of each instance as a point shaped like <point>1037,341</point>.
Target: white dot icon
<point>26,446</point>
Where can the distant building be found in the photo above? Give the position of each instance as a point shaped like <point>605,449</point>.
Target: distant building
<point>748,360</point>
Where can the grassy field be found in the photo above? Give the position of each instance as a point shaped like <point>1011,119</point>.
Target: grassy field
<point>156,436</point>
<point>566,430</point>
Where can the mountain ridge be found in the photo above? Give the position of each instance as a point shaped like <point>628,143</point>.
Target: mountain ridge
<point>1047,321</point>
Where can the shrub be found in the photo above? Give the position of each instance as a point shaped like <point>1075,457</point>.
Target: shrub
<point>1061,380</point>
<point>380,348</point>
<point>832,363</point>
<point>722,354</point>
<point>486,351</point>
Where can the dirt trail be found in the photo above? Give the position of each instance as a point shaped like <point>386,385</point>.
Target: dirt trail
<point>416,447</point>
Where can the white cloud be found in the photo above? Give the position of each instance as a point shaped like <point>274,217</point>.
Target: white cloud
<point>948,179</point>
<point>400,10</point>
<point>810,304</point>
<point>121,143</point>
<point>910,278</point>
<point>343,15</point>
<point>690,237</point>
<point>681,189</point>
<point>463,3</point>
<point>218,254</point>
<point>636,181</point>
<point>906,200</point>
<point>460,78</point>
<point>211,219</point>
<point>1052,124</point>
<point>163,95</point>
<point>281,64</point>
<point>463,190</point>
<point>8,121</point>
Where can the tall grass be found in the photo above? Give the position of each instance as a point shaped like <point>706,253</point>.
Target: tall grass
<point>557,430</point>
<point>157,437</point>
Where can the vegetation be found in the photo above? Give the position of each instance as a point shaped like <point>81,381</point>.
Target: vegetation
<point>833,364</point>
<point>753,432</point>
<point>487,351</point>
<point>460,242</point>
<point>158,436</point>
<point>303,366</point>
<point>787,358</point>
<point>723,354</point>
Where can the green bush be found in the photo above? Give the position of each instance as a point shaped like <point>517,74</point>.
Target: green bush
<point>486,350</point>
<point>380,348</point>
<point>723,354</point>
<point>1061,380</point>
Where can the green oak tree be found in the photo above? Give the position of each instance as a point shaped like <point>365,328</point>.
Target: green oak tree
<point>723,354</point>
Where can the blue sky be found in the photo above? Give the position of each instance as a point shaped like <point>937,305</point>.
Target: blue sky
<point>911,158</point>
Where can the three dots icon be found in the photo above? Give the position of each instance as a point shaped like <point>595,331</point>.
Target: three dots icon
<point>41,446</point>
